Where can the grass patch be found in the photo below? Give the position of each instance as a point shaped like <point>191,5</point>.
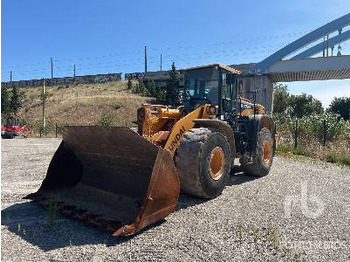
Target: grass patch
<point>286,149</point>
<point>107,104</point>
<point>105,120</point>
<point>300,153</point>
<point>345,160</point>
<point>266,239</point>
<point>331,158</point>
<point>21,229</point>
<point>341,159</point>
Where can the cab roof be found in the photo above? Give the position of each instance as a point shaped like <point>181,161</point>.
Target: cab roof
<point>226,67</point>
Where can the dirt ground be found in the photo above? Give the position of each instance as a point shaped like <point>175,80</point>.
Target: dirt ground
<point>300,211</point>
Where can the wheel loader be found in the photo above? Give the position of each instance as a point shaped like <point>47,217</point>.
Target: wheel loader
<point>124,180</point>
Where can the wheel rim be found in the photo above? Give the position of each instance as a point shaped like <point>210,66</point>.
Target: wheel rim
<point>266,152</point>
<point>217,163</point>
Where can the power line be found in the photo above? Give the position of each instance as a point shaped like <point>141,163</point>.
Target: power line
<point>181,59</point>
<point>173,56</point>
<point>178,56</point>
<point>242,41</point>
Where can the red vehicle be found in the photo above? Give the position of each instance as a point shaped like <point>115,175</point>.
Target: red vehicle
<point>3,129</point>
<point>13,129</point>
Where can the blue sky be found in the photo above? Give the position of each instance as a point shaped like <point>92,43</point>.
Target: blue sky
<point>109,36</point>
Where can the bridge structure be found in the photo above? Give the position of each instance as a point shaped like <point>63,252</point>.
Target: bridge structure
<point>298,61</point>
<point>303,66</point>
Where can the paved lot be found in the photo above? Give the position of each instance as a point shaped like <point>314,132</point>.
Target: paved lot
<point>300,211</point>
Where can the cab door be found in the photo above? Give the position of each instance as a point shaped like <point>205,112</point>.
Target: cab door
<point>228,94</point>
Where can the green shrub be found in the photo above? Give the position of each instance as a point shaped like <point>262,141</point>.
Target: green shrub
<point>129,84</point>
<point>311,126</point>
<point>37,126</point>
<point>140,88</point>
<point>331,158</point>
<point>344,159</point>
<point>299,150</point>
<point>149,88</point>
<point>105,120</point>
<point>284,148</point>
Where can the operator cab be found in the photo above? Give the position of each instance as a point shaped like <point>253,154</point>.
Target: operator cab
<point>214,84</point>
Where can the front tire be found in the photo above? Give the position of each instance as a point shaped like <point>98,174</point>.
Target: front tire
<point>262,157</point>
<point>203,162</point>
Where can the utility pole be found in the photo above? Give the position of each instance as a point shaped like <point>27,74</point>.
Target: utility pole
<point>161,62</point>
<point>51,61</point>
<point>145,59</point>
<point>44,112</point>
<point>10,73</point>
<point>74,71</point>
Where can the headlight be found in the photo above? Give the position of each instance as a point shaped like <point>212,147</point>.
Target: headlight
<point>212,110</point>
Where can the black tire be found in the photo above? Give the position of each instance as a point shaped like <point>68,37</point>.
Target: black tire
<point>261,161</point>
<point>200,175</point>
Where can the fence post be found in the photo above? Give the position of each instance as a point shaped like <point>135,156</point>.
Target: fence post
<point>56,130</point>
<point>296,134</point>
<point>274,137</point>
<point>40,132</point>
<point>324,132</point>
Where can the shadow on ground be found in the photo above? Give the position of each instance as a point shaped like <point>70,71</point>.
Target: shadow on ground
<point>29,220</point>
<point>236,178</point>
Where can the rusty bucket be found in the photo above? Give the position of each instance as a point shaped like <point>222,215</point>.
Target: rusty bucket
<point>110,177</point>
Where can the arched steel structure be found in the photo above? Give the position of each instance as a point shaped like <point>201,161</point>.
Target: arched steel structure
<point>334,26</point>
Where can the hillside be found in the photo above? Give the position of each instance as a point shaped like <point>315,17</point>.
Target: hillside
<point>87,104</point>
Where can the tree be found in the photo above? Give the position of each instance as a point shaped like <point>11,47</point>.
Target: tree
<point>160,94</point>
<point>150,88</point>
<point>129,84</point>
<point>301,105</point>
<point>295,105</point>
<point>281,98</point>
<point>5,101</point>
<point>154,91</point>
<point>172,96</point>
<point>340,106</point>
<point>140,88</point>
<point>16,100</point>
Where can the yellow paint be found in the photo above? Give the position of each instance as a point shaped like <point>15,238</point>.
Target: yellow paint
<point>184,125</point>
<point>155,122</point>
<point>163,124</point>
<point>249,111</point>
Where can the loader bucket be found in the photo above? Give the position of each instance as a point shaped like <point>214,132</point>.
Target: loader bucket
<point>110,177</point>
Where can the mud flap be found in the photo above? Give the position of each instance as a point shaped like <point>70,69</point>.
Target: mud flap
<point>110,177</point>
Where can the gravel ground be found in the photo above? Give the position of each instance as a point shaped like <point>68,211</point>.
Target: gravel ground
<point>300,211</point>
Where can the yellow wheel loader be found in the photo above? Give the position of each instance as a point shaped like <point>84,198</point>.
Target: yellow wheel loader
<point>124,180</point>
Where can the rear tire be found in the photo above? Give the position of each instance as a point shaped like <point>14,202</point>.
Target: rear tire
<point>203,161</point>
<point>262,157</point>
